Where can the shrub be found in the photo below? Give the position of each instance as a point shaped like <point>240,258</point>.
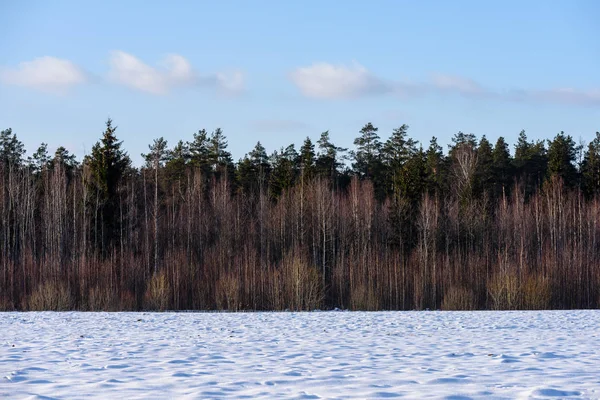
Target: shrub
<point>102,299</point>
<point>128,301</point>
<point>363,297</point>
<point>504,292</point>
<point>276,292</point>
<point>459,298</point>
<point>158,293</point>
<point>312,288</point>
<point>228,292</point>
<point>6,305</point>
<point>536,293</point>
<point>418,293</point>
<point>50,297</point>
<point>298,286</point>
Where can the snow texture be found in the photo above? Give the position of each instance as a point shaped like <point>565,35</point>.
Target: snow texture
<point>359,355</point>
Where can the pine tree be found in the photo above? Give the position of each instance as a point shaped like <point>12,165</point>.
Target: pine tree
<point>220,159</point>
<point>200,153</point>
<point>329,157</point>
<point>11,149</point>
<point>307,160</point>
<point>177,160</point>
<point>62,156</point>
<point>367,154</point>
<point>462,139</point>
<point>40,160</point>
<point>260,167</point>
<point>157,155</point>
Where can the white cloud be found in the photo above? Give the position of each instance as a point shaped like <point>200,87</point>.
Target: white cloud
<point>328,81</point>
<point>180,70</point>
<point>568,96</point>
<point>232,82</point>
<point>468,87</point>
<point>457,84</point>
<point>323,80</point>
<point>175,71</point>
<point>49,74</point>
<point>130,71</point>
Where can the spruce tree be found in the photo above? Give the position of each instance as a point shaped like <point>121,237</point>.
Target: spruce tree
<point>107,165</point>
<point>484,173</point>
<point>155,160</point>
<point>245,176</point>
<point>502,169</point>
<point>284,171</point>
<point>397,150</point>
<point>591,168</point>
<point>531,163</point>
<point>218,154</point>
<point>220,159</point>
<point>464,159</point>
<point>561,158</point>
<point>412,177</point>
<point>435,171</point>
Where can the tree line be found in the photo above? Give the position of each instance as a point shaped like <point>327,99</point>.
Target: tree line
<point>389,224</point>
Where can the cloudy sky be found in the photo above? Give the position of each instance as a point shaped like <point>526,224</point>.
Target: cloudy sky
<point>278,71</point>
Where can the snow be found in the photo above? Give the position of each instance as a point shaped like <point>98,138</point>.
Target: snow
<point>361,355</point>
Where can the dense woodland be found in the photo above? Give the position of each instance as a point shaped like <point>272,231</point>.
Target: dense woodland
<point>390,224</point>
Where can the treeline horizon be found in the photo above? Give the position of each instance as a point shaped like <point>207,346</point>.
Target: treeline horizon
<point>391,224</point>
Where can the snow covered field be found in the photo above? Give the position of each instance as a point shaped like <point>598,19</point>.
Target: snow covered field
<point>301,355</point>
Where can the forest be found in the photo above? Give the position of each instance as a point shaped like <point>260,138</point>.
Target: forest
<point>391,224</point>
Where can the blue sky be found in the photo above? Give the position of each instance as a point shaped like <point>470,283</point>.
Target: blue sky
<point>278,71</point>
